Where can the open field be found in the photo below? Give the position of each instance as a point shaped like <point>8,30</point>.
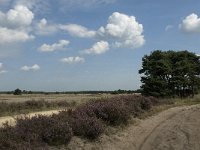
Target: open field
<point>78,98</point>
<point>27,103</point>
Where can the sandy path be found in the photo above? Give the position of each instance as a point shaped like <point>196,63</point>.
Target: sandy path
<point>174,129</point>
<point>11,119</point>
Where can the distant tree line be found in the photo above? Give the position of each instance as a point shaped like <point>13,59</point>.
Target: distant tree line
<point>170,74</point>
<point>20,92</point>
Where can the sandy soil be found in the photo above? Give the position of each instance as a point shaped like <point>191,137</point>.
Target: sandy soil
<point>11,119</point>
<point>174,129</point>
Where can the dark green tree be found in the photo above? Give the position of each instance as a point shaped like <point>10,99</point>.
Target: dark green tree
<point>170,74</point>
<point>17,92</point>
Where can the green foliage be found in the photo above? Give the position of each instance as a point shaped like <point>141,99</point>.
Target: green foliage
<point>17,92</point>
<point>170,74</point>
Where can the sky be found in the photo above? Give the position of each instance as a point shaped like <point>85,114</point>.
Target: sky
<point>80,45</point>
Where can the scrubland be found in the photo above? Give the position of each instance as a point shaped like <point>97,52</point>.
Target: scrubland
<point>100,123</point>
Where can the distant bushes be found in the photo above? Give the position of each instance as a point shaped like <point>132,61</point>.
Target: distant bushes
<point>88,121</point>
<point>28,106</point>
<point>17,92</point>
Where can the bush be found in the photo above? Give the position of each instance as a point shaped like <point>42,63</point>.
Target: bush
<point>84,123</point>
<point>17,92</point>
<point>113,112</point>
<point>146,103</point>
<point>43,129</point>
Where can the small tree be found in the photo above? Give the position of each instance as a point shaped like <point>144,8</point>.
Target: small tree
<point>17,92</point>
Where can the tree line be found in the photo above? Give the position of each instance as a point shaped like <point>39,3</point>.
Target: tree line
<point>20,92</point>
<point>170,74</point>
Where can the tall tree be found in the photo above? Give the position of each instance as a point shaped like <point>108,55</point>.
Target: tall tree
<point>170,73</point>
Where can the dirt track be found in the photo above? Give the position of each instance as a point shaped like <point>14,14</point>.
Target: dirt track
<point>174,129</point>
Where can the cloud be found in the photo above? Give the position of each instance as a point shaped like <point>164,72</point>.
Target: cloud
<point>191,24</point>
<point>56,46</point>
<point>1,66</point>
<point>78,31</point>
<point>30,68</point>
<point>9,36</point>
<point>123,31</point>
<point>98,48</point>
<point>73,60</point>
<point>2,71</point>
<point>30,3</point>
<point>43,28</point>
<point>168,27</point>
<point>15,24</point>
<point>37,6</point>
<point>17,17</point>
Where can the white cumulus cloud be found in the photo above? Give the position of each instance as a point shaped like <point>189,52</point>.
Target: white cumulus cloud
<point>10,35</point>
<point>190,24</point>
<point>15,24</point>
<point>43,28</point>
<point>123,31</point>
<point>56,46</point>
<point>19,16</point>
<point>30,68</point>
<point>98,48</point>
<point>73,60</point>
<point>78,30</point>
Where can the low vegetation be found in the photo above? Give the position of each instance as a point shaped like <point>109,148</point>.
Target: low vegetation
<point>87,121</point>
<point>15,108</point>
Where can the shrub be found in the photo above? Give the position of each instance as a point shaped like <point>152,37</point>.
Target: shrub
<point>146,103</point>
<point>85,126</point>
<point>43,129</point>
<point>113,112</point>
<point>17,92</point>
<point>84,123</point>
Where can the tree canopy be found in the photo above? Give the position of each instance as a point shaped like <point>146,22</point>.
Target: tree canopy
<point>170,74</point>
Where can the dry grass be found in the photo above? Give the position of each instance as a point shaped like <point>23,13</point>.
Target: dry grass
<point>79,98</point>
<point>16,104</point>
<point>169,103</point>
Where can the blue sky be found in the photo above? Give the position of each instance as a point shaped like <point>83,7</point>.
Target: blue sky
<point>72,45</point>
